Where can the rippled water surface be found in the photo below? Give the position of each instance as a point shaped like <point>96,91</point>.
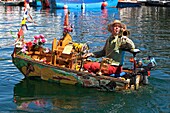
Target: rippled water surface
<point>150,30</point>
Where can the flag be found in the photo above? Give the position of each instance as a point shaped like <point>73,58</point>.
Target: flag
<point>23,21</point>
<point>20,32</point>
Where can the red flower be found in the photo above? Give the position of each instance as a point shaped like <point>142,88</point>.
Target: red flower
<point>29,44</point>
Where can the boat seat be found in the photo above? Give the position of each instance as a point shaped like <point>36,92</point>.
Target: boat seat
<point>68,56</point>
<point>58,47</point>
<point>63,52</point>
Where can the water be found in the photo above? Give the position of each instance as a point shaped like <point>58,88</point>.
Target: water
<point>149,27</point>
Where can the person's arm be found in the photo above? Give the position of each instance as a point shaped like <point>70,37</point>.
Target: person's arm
<point>96,54</point>
<point>102,52</point>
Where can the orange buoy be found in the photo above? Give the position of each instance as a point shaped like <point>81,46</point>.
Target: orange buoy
<point>104,4</point>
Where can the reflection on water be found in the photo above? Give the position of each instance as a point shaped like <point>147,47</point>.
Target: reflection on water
<point>149,27</point>
<point>41,95</point>
<point>150,30</point>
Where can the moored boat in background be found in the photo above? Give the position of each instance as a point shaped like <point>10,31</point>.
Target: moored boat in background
<point>128,3</point>
<point>163,3</point>
<point>86,3</point>
<point>11,2</point>
<point>79,4</point>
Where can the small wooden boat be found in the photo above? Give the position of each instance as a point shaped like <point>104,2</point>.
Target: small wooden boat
<point>63,64</point>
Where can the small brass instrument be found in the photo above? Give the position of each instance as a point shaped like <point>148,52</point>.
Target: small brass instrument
<point>124,33</point>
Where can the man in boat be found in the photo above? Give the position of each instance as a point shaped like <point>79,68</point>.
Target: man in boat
<point>113,50</point>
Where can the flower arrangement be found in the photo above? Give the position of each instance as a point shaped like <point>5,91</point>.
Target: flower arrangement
<point>39,40</point>
<point>37,43</point>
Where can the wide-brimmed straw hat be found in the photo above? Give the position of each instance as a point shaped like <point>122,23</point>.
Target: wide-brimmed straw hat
<point>112,24</point>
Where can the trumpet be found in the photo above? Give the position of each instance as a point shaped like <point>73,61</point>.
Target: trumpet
<point>124,33</point>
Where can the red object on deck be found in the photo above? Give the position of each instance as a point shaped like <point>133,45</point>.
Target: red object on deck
<point>93,67</point>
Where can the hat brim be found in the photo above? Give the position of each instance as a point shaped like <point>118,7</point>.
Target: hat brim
<point>111,25</point>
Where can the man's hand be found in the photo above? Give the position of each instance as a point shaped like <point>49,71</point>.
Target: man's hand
<point>87,55</point>
<point>123,39</point>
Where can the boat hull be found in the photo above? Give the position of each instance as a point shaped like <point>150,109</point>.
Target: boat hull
<point>79,4</point>
<point>48,72</point>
